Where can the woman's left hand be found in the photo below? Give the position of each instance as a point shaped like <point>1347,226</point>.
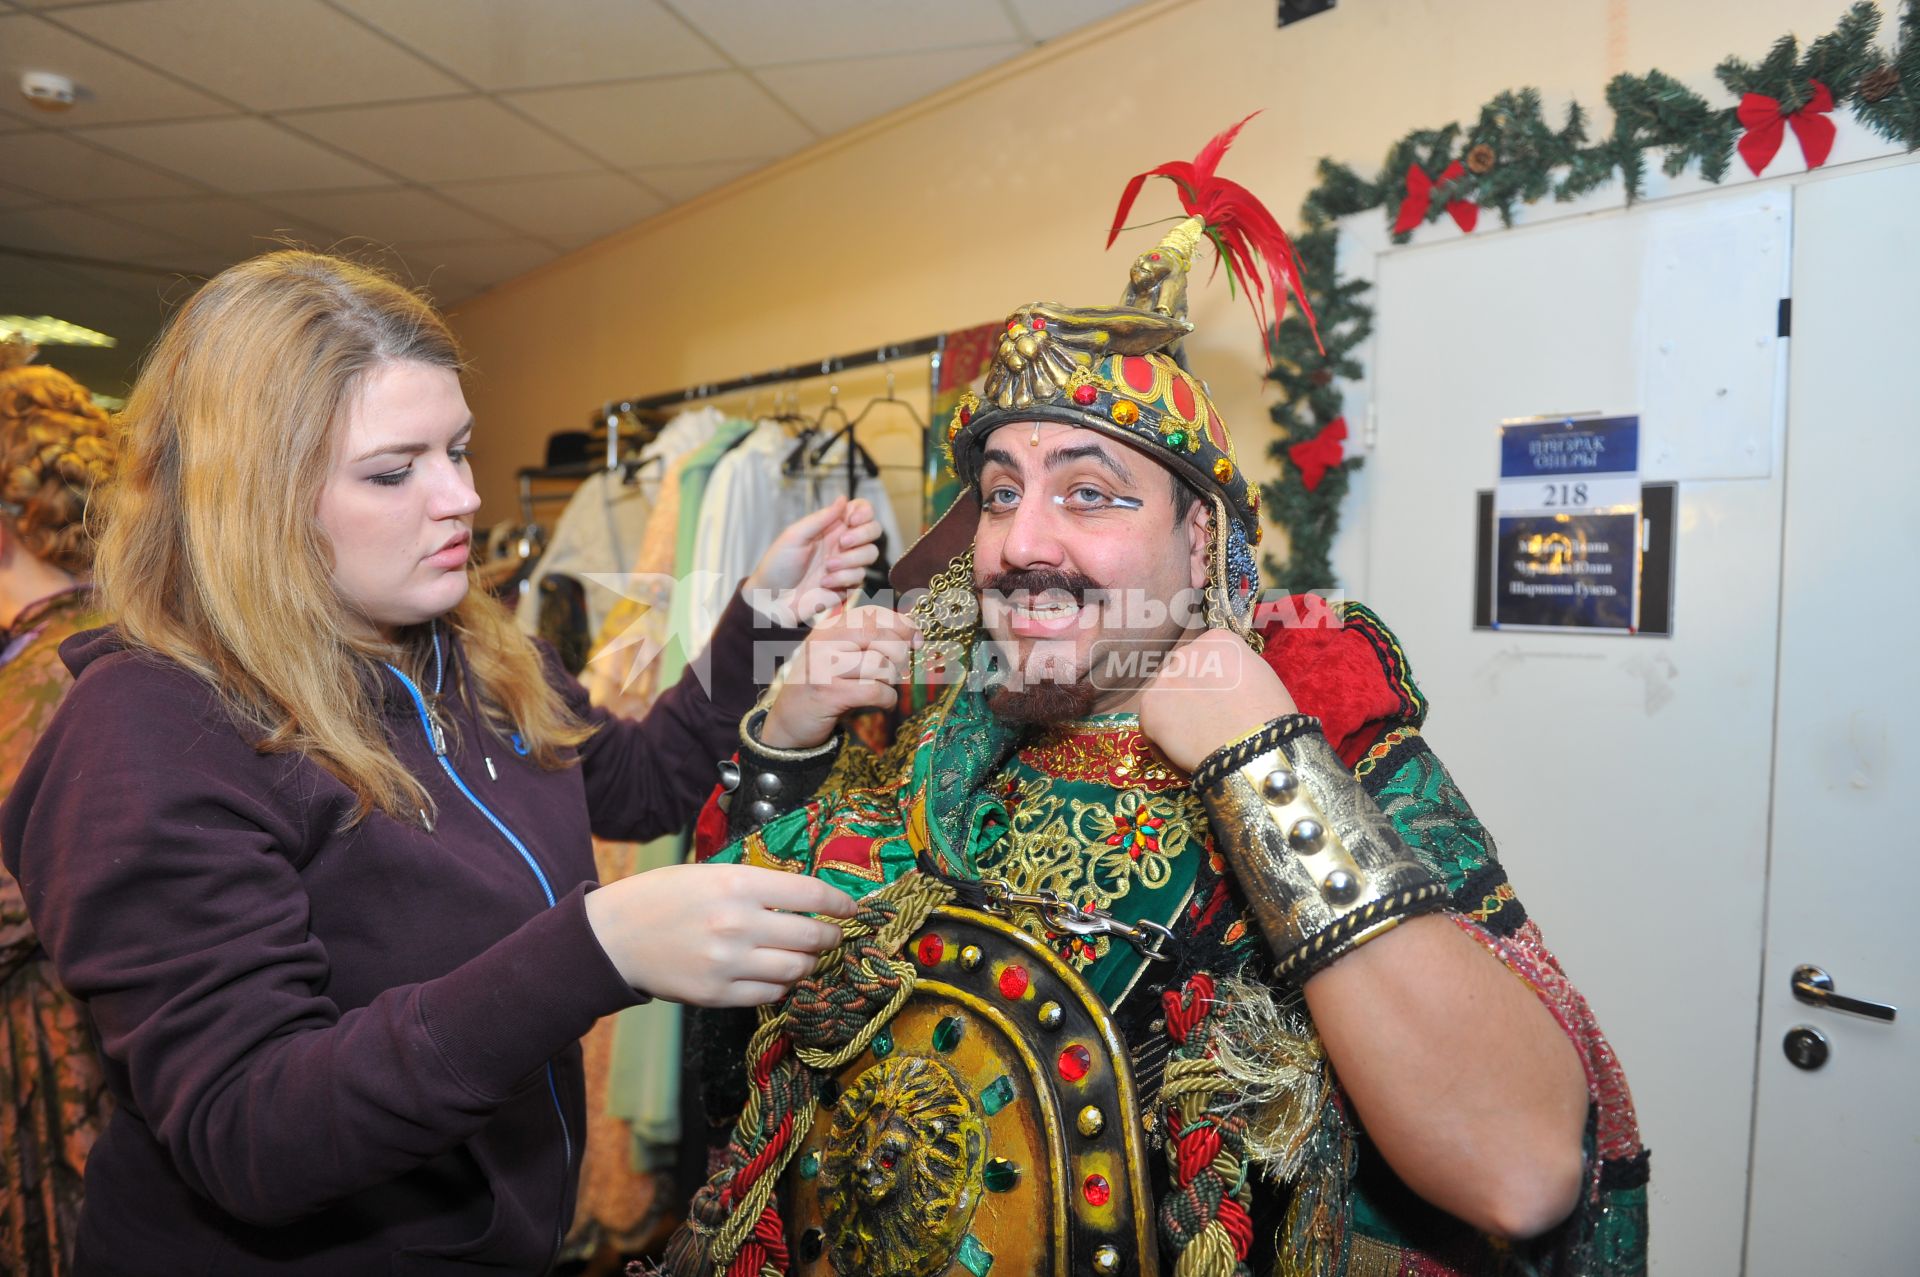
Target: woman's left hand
<point>816,564</point>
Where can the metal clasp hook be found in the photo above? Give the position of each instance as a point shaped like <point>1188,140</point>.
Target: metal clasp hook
<point>1059,914</point>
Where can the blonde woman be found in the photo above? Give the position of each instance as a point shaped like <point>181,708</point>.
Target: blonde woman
<point>310,835</point>
<point>55,449</point>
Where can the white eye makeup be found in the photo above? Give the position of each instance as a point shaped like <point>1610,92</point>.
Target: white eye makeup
<point>1112,502</point>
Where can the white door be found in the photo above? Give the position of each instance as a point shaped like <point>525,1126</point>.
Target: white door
<point>1625,778</point>
<point>1836,1162</point>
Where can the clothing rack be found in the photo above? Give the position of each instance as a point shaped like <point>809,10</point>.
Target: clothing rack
<point>613,410</point>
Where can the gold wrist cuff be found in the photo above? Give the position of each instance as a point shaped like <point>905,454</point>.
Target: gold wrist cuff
<point>1322,867</point>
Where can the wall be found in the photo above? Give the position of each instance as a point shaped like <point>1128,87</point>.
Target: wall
<point>999,191</point>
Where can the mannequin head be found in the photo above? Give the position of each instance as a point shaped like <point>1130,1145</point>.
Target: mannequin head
<point>56,449</point>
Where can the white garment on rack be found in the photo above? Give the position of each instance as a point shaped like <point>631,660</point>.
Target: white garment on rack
<point>748,503</point>
<point>600,528</point>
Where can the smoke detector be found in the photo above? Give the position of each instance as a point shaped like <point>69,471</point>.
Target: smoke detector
<point>49,91</point>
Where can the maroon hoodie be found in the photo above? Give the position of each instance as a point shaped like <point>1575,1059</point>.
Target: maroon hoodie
<point>337,1051</point>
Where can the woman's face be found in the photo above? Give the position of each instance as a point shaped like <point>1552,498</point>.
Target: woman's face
<point>398,503</point>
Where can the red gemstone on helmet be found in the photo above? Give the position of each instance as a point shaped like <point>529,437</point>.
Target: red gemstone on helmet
<point>930,949</point>
<point>1183,397</point>
<point>1138,373</point>
<point>1012,324</point>
<point>966,415</point>
<point>1039,324</point>
<point>1084,395</point>
<point>1153,257</point>
<point>1097,1190</point>
<point>1013,982</point>
<point>1074,1062</point>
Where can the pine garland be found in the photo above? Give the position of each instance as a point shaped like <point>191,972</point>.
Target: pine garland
<point>1511,155</point>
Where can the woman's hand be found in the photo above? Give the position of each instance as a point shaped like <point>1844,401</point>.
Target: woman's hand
<point>715,935</point>
<point>816,564</point>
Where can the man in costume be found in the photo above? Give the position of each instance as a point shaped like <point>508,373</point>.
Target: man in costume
<point>1172,922</point>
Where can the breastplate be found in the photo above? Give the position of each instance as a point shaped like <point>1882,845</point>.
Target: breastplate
<point>992,1126</point>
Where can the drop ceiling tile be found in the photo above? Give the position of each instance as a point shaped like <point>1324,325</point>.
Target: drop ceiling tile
<point>512,44</point>
<point>1051,19</point>
<point>90,300</point>
<point>114,89</point>
<point>574,209</point>
<point>291,53</point>
<point>61,167</point>
<point>394,215</point>
<point>834,96</point>
<point>58,228</point>
<point>681,182</point>
<point>469,137</point>
<point>484,263</point>
<point>242,156</point>
<point>764,32</point>
<point>231,228</point>
<point>690,119</point>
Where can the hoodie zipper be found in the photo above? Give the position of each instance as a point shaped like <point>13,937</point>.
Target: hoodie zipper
<point>437,741</point>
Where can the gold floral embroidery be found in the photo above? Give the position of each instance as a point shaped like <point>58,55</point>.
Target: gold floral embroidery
<point>1114,753</point>
<point>1089,853</point>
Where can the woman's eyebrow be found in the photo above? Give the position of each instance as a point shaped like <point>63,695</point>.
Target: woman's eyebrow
<point>409,449</point>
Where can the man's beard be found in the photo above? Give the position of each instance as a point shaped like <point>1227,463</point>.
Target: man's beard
<point>1046,700</point>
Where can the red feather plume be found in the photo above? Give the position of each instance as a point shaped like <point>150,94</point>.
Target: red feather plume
<point>1244,233</point>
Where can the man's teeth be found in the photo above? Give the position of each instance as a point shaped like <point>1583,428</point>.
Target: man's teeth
<point>1050,610</point>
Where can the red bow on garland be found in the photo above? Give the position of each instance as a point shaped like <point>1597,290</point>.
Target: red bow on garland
<point>1413,209</point>
<point>1766,128</point>
<point>1316,455</point>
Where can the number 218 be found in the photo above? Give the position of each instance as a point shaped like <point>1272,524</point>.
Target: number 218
<point>1559,494</point>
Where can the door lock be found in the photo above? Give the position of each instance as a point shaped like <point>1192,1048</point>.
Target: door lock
<point>1806,1047</point>
<point>1815,987</point>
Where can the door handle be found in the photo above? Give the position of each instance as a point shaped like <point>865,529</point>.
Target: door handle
<point>1812,985</point>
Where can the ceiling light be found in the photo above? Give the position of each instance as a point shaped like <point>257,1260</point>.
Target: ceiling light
<point>45,330</point>
<point>49,90</point>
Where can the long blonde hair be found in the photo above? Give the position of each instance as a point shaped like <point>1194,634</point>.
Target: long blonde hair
<point>211,551</point>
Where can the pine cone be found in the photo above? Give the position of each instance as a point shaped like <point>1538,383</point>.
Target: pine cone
<point>1481,159</point>
<point>1878,85</point>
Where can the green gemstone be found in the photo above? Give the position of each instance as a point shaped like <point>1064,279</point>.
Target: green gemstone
<point>946,1034</point>
<point>977,1258</point>
<point>1178,439</point>
<point>1001,1175</point>
<point>998,1095</point>
<point>882,1044</point>
<point>809,1166</point>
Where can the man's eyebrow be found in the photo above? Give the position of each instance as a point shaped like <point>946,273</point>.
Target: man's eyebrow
<point>409,449</point>
<point>1089,452</point>
<point>1059,457</point>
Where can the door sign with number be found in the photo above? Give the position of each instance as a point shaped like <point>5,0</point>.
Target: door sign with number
<point>1567,525</point>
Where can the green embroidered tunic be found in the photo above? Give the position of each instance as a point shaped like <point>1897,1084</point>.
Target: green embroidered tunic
<point>1090,811</point>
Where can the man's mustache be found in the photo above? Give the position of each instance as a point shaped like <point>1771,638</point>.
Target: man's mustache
<point>1038,582</point>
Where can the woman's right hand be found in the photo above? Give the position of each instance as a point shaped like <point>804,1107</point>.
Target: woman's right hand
<point>715,935</point>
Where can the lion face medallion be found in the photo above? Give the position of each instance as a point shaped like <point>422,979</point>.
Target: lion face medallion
<point>901,1172</point>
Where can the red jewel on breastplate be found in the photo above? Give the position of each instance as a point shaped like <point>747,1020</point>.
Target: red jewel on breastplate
<point>1074,1062</point>
<point>930,949</point>
<point>1097,1190</point>
<point>1013,982</point>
